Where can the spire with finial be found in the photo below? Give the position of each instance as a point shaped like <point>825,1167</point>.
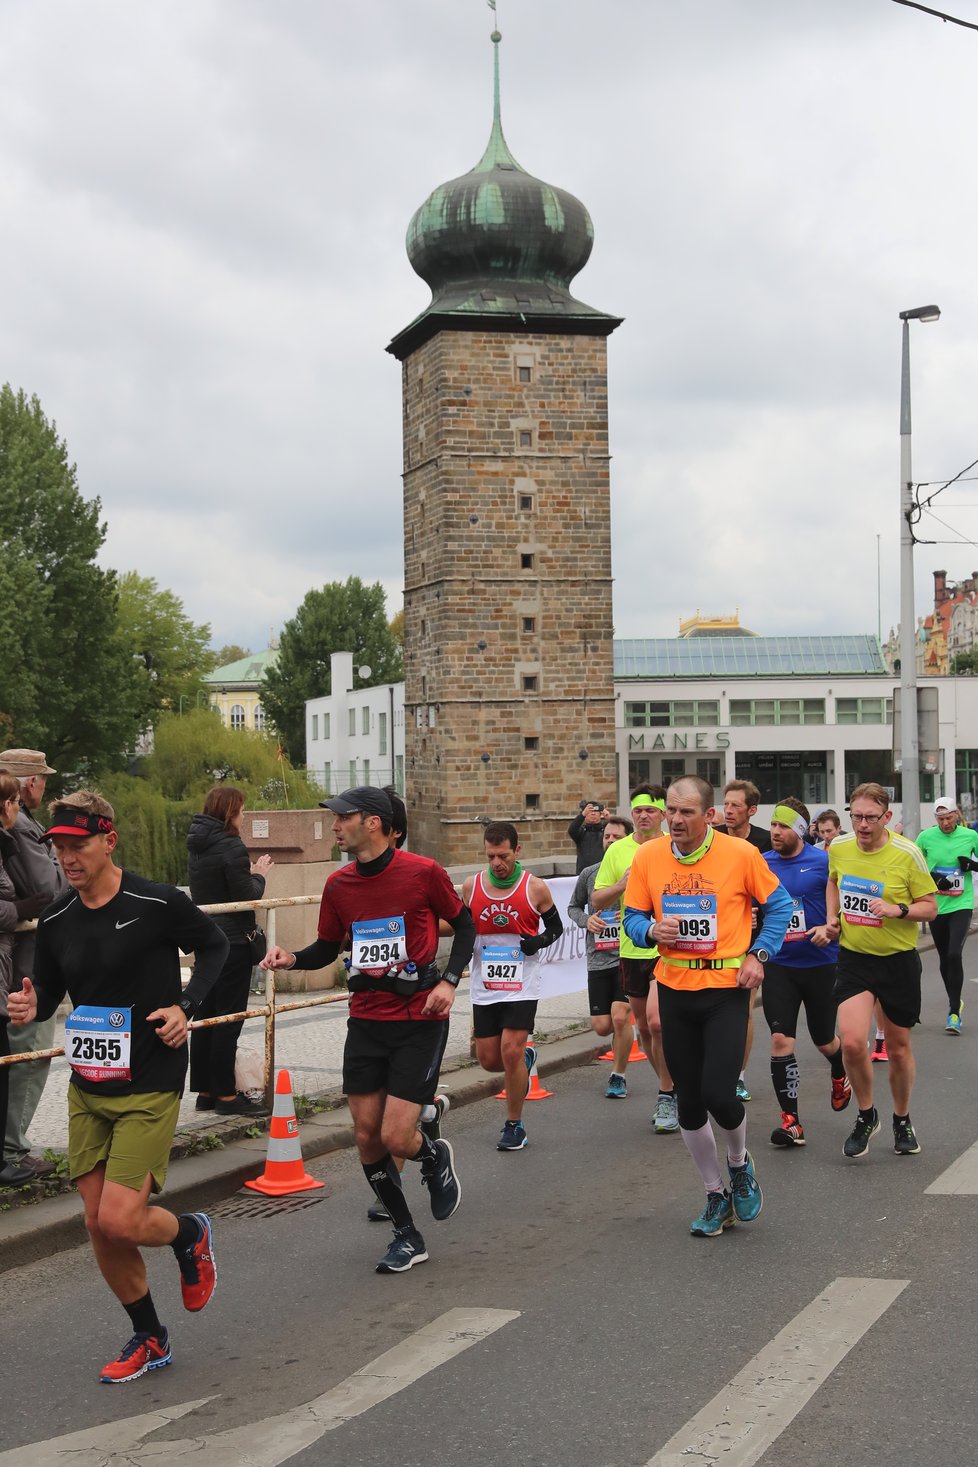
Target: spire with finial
<point>500,245</point>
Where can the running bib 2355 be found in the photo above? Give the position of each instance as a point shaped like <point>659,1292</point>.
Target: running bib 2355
<point>98,1041</point>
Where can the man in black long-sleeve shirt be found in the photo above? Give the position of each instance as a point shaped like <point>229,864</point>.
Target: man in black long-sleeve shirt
<point>113,942</point>
<point>586,830</point>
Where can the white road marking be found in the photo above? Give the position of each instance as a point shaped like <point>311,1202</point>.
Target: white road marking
<point>742,1421</point>
<point>274,1440</point>
<point>960,1179</point>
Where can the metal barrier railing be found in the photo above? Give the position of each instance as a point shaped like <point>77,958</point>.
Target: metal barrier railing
<point>268,1011</point>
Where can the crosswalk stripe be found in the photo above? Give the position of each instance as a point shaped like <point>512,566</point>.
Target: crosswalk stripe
<point>752,1411</point>
<point>274,1440</point>
<point>960,1179</point>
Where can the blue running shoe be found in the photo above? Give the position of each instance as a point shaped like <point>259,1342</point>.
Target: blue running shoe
<point>716,1215</point>
<point>441,1179</point>
<point>744,1192</point>
<point>953,1025</point>
<point>743,1094</point>
<point>407,1248</point>
<point>530,1056</point>
<point>617,1088</point>
<point>512,1137</point>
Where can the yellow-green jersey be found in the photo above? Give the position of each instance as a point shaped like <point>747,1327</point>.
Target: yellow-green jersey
<point>616,861</point>
<point>896,873</point>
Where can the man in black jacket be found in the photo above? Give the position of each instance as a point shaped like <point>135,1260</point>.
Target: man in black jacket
<point>586,830</point>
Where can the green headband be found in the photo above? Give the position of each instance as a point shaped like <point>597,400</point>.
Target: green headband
<point>648,800</point>
<point>784,815</point>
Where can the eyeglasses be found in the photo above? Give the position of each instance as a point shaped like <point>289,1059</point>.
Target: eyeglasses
<point>866,819</point>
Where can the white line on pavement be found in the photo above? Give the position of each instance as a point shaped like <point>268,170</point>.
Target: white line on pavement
<point>742,1421</point>
<point>274,1440</point>
<point>961,1177</point>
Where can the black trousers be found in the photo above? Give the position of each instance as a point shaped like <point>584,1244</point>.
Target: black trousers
<point>704,1035</point>
<point>950,934</point>
<point>4,1082</point>
<point>212,1051</point>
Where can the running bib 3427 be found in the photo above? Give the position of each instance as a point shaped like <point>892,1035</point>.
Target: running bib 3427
<point>379,943</point>
<point>608,938</point>
<point>502,968</point>
<point>97,1042</point>
<point>697,917</point>
<point>855,895</point>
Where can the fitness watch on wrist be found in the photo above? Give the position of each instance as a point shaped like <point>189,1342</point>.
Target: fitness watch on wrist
<point>904,909</point>
<point>453,978</point>
<point>189,1007</point>
<point>761,954</point>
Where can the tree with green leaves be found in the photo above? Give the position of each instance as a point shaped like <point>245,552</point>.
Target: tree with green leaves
<point>169,650</point>
<point>223,656</point>
<point>67,683</point>
<point>965,664</point>
<point>342,616</point>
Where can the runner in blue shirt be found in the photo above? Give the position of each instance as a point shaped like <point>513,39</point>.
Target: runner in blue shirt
<point>803,971</point>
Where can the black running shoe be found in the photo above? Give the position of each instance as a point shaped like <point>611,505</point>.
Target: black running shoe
<point>444,1187</point>
<point>857,1142</point>
<point>407,1248</point>
<point>905,1141</point>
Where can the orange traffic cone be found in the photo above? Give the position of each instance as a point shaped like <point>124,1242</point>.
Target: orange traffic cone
<point>284,1171</point>
<point>636,1054</point>
<point>535,1091</point>
<point>609,1054</point>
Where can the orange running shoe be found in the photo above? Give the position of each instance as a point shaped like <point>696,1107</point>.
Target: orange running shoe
<point>789,1133</point>
<point>879,1054</point>
<point>841,1092</point>
<point>198,1269</point>
<point>143,1352</point>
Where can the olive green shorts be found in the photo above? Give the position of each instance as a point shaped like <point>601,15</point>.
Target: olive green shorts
<point>132,1134</point>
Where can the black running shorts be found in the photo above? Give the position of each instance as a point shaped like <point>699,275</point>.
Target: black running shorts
<point>603,989</point>
<point>490,1019</point>
<point>637,976</point>
<point>785,989</point>
<point>401,1056</point>
<point>894,980</point>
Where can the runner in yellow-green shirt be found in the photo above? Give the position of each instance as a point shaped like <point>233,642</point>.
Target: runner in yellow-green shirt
<point>648,809</point>
<point>879,889</point>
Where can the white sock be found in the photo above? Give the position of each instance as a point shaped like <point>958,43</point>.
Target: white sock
<point>429,1112</point>
<point>737,1144</point>
<point>702,1147</point>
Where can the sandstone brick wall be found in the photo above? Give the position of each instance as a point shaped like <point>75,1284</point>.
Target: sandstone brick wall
<point>507,534</point>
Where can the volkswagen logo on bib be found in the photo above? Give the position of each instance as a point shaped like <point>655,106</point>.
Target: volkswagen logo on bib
<point>393,927</point>
<point>706,904</point>
<point>116,1020</point>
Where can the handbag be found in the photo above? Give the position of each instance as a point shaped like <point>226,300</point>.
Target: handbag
<point>258,943</point>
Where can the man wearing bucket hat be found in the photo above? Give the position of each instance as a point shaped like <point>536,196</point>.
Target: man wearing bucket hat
<point>388,903</point>
<point>33,868</point>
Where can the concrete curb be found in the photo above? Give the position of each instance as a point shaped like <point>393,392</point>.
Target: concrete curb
<point>52,1224</point>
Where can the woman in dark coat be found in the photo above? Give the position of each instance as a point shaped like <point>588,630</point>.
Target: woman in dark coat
<point>221,871</point>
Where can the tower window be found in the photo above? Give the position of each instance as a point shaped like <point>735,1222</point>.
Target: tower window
<point>526,560</point>
<point>526,438</point>
<point>526,501</point>
<point>530,682</point>
<point>529,624</point>
<point>531,743</point>
<point>531,802</point>
<point>524,374</point>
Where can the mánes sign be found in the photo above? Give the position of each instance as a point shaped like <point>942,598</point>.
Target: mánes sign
<point>704,739</point>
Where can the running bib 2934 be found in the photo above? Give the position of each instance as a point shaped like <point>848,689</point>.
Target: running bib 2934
<point>697,917</point>
<point>380,942</point>
<point>97,1042</point>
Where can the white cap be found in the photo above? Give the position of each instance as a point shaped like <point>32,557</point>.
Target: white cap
<point>944,806</point>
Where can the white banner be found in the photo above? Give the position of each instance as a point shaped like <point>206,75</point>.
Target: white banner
<point>563,967</point>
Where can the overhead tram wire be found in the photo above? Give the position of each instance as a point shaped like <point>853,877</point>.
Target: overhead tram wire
<point>940,14</point>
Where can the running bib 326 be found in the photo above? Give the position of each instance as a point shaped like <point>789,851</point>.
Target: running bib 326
<point>97,1042</point>
<point>697,917</point>
<point>380,942</point>
<point>608,938</point>
<point>955,876</point>
<point>797,926</point>
<point>502,968</point>
<point>855,895</point>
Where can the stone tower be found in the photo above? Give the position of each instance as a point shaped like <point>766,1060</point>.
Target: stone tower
<point>509,696</point>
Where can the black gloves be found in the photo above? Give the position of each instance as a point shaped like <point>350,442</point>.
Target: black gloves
<point>531,945</point>
<point>942,883</point>
<point>968,863</point>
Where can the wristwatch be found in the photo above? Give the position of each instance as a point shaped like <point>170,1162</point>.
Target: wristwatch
<point>760,953</point>
<point>188,1006</point>
<point>904,909</point>
<point>453,978</point>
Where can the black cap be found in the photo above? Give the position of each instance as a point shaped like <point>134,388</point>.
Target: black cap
<point>364,800</point>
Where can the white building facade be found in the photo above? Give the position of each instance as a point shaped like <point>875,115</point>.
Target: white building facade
<point>356,735</point>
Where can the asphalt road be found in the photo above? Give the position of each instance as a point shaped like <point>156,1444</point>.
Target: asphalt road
<point>601,1328</point>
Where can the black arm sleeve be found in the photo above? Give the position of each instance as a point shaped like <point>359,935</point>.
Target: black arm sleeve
<point>552,928</point>
<point>318,954</point>
<point>200,935</point>
<point>463,941</point>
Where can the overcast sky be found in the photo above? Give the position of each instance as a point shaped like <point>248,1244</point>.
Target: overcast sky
<point>203,260</point>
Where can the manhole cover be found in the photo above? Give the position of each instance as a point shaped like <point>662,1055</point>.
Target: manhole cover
<point>253,1204</point>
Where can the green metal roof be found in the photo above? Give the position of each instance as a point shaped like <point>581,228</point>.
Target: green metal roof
<point>665,657</point>
<point>246,670</point>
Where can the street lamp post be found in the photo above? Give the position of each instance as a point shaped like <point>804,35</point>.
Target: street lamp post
<point>909,748</point>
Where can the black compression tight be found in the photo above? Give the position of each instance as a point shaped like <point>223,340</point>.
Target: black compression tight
<point>704,1034</point>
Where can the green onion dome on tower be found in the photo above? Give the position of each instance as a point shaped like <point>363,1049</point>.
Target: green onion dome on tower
<point>499,249</point>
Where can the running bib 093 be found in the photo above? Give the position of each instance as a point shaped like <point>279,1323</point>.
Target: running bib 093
<point>955,876</point>
<point>97,1042</point>
<point>608,938</point>
<point>855,895</point>
<point>697,917</point>
<point>380,942</point>
<point>797,926</point>
<point>502,968</point>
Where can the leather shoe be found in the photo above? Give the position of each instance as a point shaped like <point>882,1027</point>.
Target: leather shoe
<point>241,1105</point>
<point>39,1166</point>
<point>15,1175</point>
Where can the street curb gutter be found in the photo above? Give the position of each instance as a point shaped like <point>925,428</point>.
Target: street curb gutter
<point>55,1224</point>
